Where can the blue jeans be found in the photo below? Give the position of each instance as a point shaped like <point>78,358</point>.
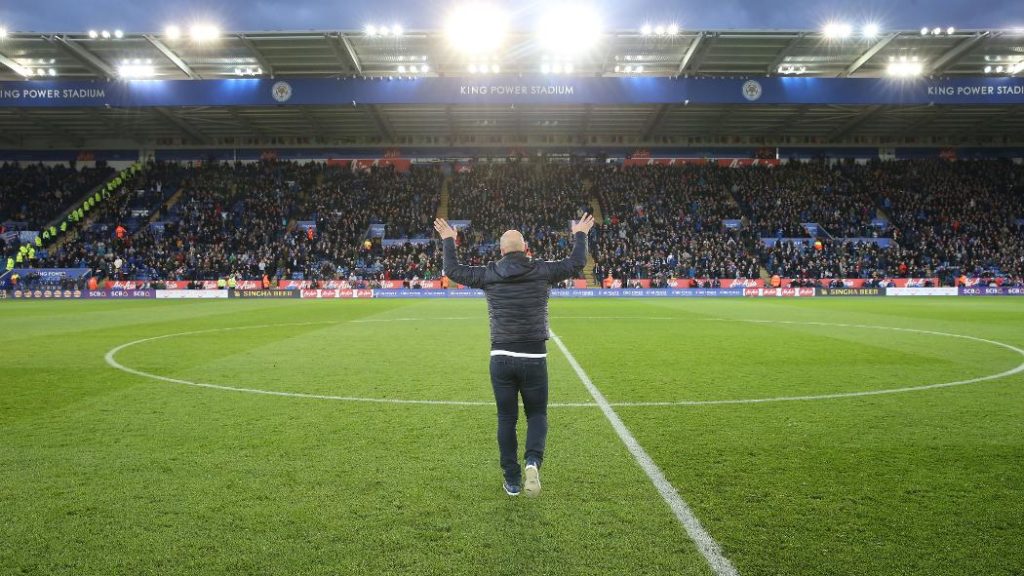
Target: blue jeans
<point>511,377</point>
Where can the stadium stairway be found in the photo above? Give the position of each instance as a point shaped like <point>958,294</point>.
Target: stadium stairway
<point>165,208</point>
<point>588,268</point>
<point>90,217</point>
<point>442,205</point>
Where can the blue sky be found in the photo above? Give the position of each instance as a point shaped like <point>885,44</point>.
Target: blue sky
<point>245,15</point>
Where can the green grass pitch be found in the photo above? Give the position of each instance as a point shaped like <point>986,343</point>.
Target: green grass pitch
<point>104,471</point>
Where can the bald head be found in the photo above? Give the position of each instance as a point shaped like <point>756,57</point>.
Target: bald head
<point>512,241</point>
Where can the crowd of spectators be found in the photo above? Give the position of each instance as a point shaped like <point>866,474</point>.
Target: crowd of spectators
<point>345,205</point>
<point>944,218</point>
<point>778,200</point>
<point>954,216</point>
<point>663,222</point>
<point>32,195</point>
<point>916,219</point>
<point>537,198</point>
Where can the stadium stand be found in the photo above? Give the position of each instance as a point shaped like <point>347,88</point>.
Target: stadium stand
<point>33,195</point>
<point>667,222</point>
<point>806,221</point>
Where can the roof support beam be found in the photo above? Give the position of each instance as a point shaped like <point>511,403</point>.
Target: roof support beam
<point>10,63</point>
<point>10,139</point>
<point>244,123</point>
<point>83,56</point>
<point>351,51</point>
<point>174,58</point>
<point>934,114</point>
<point>954,53</point>
<point>773,68</point>
<point>854,122</point>
<point>654,121</point>
<point>453,131</point>
<point>588,111</point>
<point>314,123</point>
<point>260,58</point>
<point>180,124</point>
<point>868,54</point>
<point>382,124</point>
<point>690,51</point>
<point>76,140</point>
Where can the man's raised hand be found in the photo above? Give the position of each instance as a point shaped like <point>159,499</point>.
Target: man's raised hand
<point>445,229</point>
<point>584,224</point>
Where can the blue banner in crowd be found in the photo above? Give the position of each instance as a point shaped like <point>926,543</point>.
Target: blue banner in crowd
<point>51,274</point>
<point>504,90</point>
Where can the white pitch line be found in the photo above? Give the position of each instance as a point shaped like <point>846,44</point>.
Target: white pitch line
<point>113,363</point>
<point>706,544</point>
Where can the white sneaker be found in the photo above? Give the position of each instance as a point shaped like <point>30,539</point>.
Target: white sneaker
<point>532,484</point>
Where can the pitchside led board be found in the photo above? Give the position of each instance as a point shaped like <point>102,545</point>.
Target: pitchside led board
<point>530,90</point>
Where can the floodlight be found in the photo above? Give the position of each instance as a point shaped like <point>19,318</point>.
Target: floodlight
<point>397,30</point>
<point>52,72</point>
<point>3,33</point>
<point>629,69</point>
<point>988,69</point>
<point>238,71</point>
<point>645,29</point>
<point>905,69</point>
<point>41,72</point>
<point>569,68</point>
<point>414,69</point>
<point>569,29</point>
<point>659,30</point>
<point>672,29</point>
<point>871,30</point>
<point>838,30</point>
<point>936,31</point>
<point>495,68</point>
<point>93,34</point>
<point>424,69</point>
<point>950,30</point>
<point>172,32</point>
<point>370,30</point>
<point>476,28</point>
<point>135,71</point>
<point>383,30</point>
<point>999,69</point>
<point>639,69</point>
<point>545,68</point>
<point>401,69</point>
<point>924,31</point>
<point>105,34</point>
<point>204,32</point>
<point>118,34</point>
<point>472,68</point>
<point>557,68</point>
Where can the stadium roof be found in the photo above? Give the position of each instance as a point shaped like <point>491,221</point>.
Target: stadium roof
<point>689,53</point>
